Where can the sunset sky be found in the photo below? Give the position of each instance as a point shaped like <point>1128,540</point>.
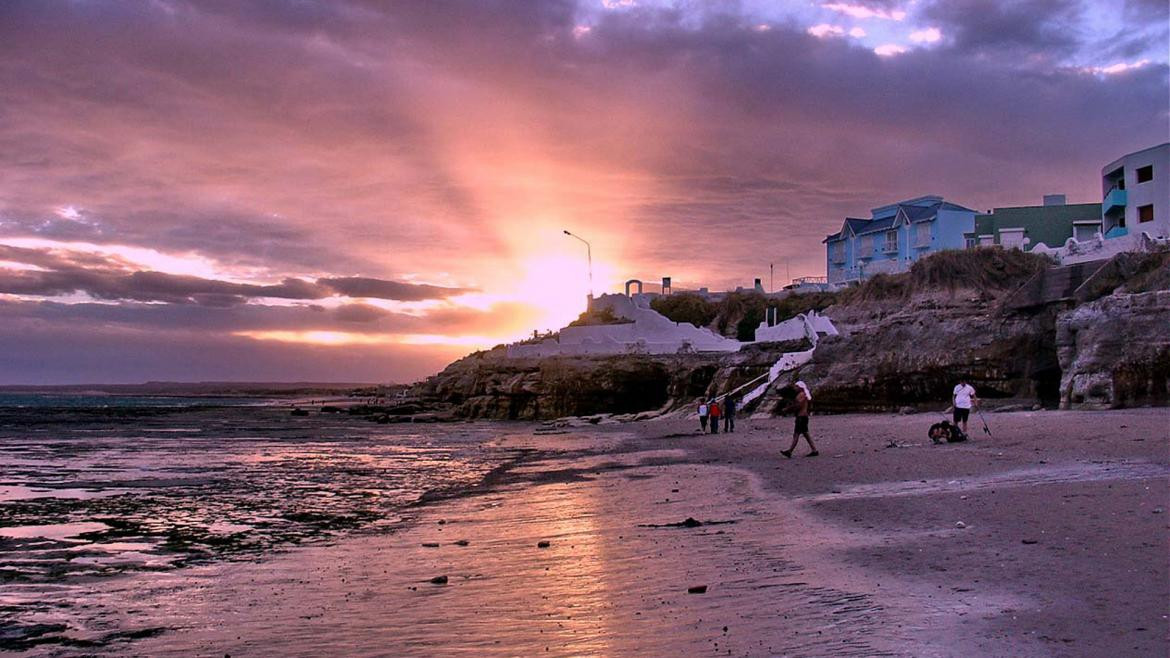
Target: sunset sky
<point>351,190</point>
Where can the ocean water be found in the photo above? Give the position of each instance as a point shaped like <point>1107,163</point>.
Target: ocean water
<point>99,401</point>
<point>103,487</point>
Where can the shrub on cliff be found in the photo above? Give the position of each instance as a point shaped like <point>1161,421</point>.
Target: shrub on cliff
<point>685,307</point>
<point>988,269</point>
<point>604,315</point>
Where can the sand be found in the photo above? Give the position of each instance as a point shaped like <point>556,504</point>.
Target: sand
<point>1049,537</point>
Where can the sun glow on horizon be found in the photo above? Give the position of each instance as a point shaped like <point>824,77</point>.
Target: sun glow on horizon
<point>346,338</point>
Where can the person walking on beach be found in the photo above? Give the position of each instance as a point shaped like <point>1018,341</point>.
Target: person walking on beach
<point>729,414</point>
<point>963,398</point>
<point>801,405</point>
<point>703,410</point>
<point>715,412</point>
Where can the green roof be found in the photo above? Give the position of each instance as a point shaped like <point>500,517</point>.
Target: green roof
<point>1052,225</point>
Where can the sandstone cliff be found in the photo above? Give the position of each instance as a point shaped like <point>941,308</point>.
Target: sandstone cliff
<point>1076,336</point>
<point>892,355</point>
<point>490,385</point>
<point>1115,351</point>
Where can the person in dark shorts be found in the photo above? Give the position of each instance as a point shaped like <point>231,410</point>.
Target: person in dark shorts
<point>963,398</point>
<point>801,405</point>
<point>703,410</point>
<point>729,414</point>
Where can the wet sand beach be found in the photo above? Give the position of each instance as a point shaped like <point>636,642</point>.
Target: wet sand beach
<point>1049,537</point>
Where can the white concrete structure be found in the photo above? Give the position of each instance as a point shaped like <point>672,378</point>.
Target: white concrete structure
<point>809,325</point>
<point>804,325</point>
<point>1101,248</point>
<point>1136,194</point>
<point>648,332</point>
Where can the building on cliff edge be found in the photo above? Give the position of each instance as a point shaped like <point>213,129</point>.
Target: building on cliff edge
<point>1029,227</point>
<point>895,236</point>
<point>1135,209</point>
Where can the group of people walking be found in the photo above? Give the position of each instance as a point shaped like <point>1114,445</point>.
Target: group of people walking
<point>711,411</point>
<point>963,399</point>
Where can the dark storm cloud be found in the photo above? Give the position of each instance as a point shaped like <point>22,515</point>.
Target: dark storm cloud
<point>150,286</point>
<point>67,272</point>
<point>360,286</point>
<point>184,319</point>
<point>1009,29</point>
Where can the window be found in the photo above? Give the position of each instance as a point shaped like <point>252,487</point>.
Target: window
<point>1085,231</point>
<point>922,235</point>
<point>837,251</point>
<point>891,241</point>
<point>1146,213</point>
<point>1145,174</point>
<point>1011,238</point>
<point>971,243</point>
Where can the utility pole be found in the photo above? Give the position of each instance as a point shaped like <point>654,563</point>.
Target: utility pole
<point>771,277</point>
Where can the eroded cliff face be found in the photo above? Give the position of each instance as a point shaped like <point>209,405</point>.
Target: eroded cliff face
<point>908,353</point>
<point>1115,351</point>
<point>490,385</point>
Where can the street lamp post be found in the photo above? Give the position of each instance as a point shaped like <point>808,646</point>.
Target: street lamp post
<point>589,256</point>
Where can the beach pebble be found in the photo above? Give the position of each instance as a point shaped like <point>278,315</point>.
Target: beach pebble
<point>960,524</point>
<point>543,544</point>
<point>691,523</point>
<point>430,544</point>
<point>697,589</point>
<point>439,580</point>
<point>462,542</point>
<point>1158,510</point>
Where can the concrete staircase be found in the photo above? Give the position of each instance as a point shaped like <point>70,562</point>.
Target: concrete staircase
<point>1055,284</point>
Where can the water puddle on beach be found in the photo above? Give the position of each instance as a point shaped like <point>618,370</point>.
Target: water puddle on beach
<point>94,500</point>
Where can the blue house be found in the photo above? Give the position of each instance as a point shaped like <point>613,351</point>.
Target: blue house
<point>894,237</point>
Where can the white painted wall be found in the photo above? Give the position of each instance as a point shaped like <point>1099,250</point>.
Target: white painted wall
<point>1099,248</point>
<point>652,333</point>
<point>649,333</point>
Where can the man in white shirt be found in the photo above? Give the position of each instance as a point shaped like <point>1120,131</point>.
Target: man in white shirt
<point>963,399</point>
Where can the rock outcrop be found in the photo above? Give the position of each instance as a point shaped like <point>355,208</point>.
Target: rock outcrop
<point>1020,331</point>
<point>1115,351</point>
<point>892,354</point>
<point>491,385</point>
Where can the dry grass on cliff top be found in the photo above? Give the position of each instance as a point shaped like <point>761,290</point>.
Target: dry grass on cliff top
<point>990,270</point>
<point>1151,272</point>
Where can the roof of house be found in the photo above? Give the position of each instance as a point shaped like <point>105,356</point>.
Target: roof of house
<point>921,209</point>
<point>852,223</point>
<point>883,224</point>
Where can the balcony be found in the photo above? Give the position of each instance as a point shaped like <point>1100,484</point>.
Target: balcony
<point>1114,200</point>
